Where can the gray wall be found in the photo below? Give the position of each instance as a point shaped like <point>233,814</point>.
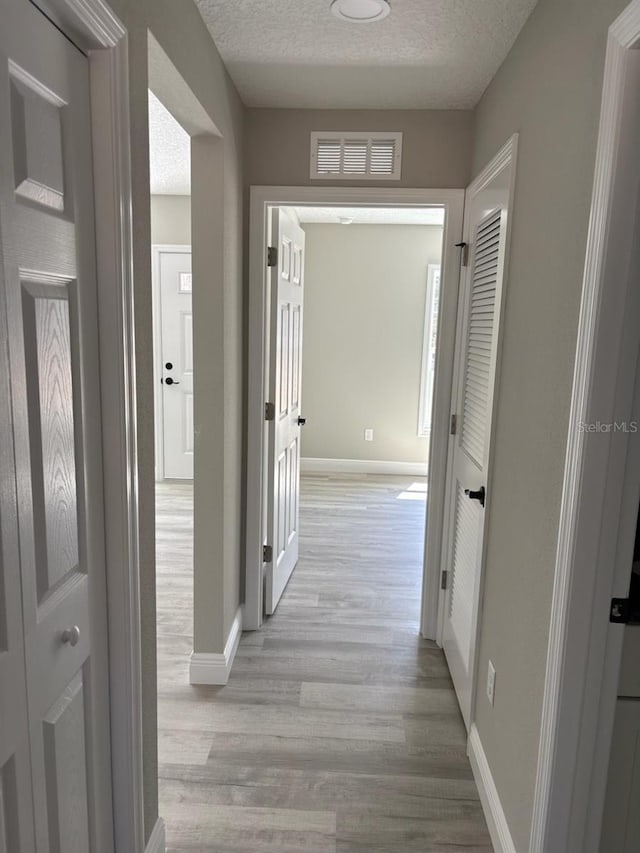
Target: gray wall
<point>364,308</point>
<point>171,219</point>
<point>180,31</point>
<point>436,145</point>
<point>549,90</point>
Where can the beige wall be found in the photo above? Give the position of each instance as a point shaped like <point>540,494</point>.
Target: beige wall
<point>171,219</point>
<point>181,33</point>
<point>436,144</point>
<point>364,308</point>
<point>549,90</point>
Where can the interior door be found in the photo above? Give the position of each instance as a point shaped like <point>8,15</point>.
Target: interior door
<point>16,802</point>
<point>177,362</point>
<point>49,289</point>
<point>476,352</point>
<point>285,380</point>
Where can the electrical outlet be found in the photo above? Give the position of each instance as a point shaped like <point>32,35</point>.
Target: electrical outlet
<point>368,435</point>
<point>491,682</point>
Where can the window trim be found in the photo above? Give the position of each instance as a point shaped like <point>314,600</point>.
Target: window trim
<point>430,325</point>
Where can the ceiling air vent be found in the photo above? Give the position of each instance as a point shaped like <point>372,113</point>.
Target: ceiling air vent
<point>356,156</point>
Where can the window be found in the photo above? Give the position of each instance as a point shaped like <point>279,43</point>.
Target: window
<point>429,350</point>
<point>354,156</point>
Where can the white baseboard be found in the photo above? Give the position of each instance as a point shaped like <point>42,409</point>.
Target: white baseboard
<point>362,466</point>
<point>209,668</point>
<point>156,842</point>
<point>491,805</point>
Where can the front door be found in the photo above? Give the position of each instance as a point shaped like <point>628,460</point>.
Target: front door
<point>479,307</point>
<point>53,629</point>
<point>174,272</point>
<point>285,380</point>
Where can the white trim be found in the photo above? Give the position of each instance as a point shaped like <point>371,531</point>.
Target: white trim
<point>110,105</point>
<point>156,250</point>
<point>309,465</point>
<point>93,26</point>
<point>594,532</point>
<point>426,381</point>
<point>157,840</point>
<point>262,199</point>
<point>209,668</point>
<point>491,805</point>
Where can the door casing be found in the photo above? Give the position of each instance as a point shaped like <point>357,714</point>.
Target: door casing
<point>263,200</point>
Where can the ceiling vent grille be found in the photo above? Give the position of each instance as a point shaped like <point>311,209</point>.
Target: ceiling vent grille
<point>356,156</point>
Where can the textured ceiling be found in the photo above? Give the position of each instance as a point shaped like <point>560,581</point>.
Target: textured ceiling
<point>169,152</point>
<point>373,215</point>
<point>428,54</point>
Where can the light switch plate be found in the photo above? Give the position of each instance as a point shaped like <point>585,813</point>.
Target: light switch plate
<point>368,434</point>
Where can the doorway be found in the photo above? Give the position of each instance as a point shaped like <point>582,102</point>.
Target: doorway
<point>359,363</point>
<point>264,202</point>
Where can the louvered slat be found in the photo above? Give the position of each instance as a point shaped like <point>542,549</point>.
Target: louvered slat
<point>463,569</point>
<point>355,156</point>
<point>329,156</point>
<point>382,158</point>
<point>480,330</point>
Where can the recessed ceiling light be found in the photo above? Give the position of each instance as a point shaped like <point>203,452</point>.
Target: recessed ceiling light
<point>360,11</point>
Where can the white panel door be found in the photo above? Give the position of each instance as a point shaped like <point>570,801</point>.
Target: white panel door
<point>285,380</point>
<point>16,802</point>
<point>49,288</point>
<point>476,349</point>
<point>177,362</point>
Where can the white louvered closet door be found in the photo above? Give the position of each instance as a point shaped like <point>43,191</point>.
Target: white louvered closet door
<point>476,347</point>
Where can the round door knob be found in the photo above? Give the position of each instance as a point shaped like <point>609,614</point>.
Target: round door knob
<point>170,381</point>
<point>302,421</point>
<point>71,636</point>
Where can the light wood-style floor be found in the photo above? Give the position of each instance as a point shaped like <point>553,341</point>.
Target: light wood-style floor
<point>339,730</point>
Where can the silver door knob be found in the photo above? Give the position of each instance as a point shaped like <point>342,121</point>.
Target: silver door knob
<point>71,636</point>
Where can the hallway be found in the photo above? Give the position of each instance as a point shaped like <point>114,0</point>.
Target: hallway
<point>339,729</point>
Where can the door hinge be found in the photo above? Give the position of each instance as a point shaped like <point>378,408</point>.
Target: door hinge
<point>269,411</point>
<point>272,256</point>
<point>453,425</point>
<point>619,611</point>
<point>267,553</point>
<point>464,255</point>
<point>444,580</point>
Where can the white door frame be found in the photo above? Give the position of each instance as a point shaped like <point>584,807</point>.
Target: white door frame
<point>593,557</point>
<point>97,31</point>
<point>262,199</point>
<point>156,250</point>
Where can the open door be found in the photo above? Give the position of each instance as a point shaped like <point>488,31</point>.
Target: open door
<point>479,307</point>
<point>283,410</point>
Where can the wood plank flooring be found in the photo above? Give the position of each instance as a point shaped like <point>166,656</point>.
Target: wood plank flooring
<point>339,730</point>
